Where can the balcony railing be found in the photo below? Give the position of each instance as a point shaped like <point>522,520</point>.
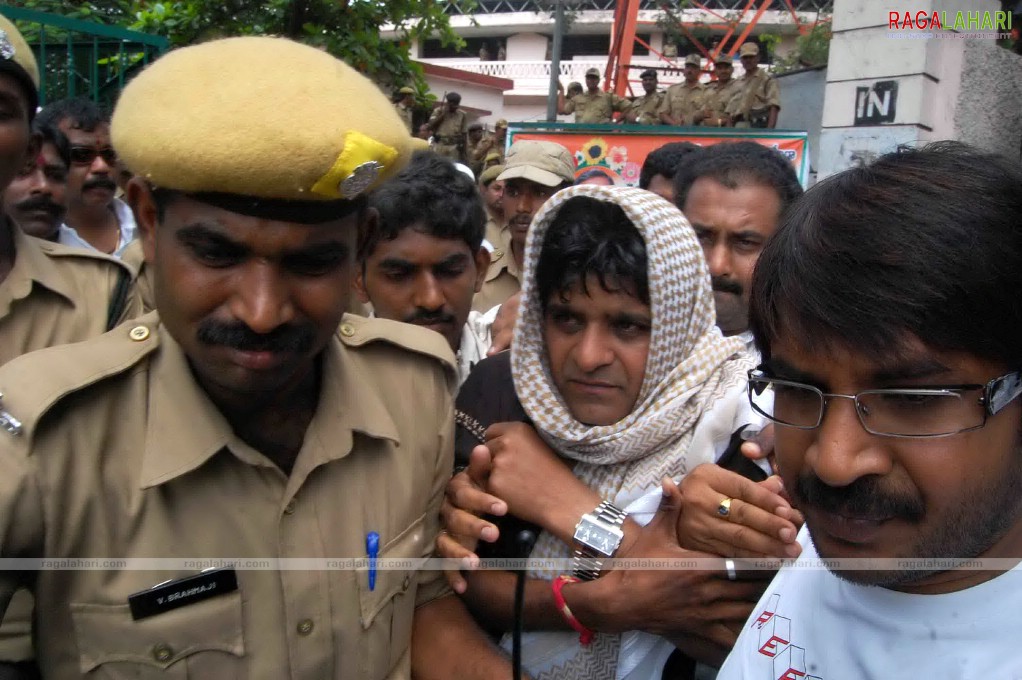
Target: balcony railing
<point>504,6</point>
<point>533,76</point>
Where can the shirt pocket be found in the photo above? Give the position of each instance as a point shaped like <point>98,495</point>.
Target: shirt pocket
<point>201,640</point>
<point>388,609</point>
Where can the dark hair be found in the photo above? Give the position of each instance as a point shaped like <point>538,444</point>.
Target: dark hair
<point>52,135</point>
<point>923,242</point>
<point>83,114</point>
<point>648,73</point>
<point>453,97</point>
<point>665,161</point>
<point>738,164</point>
<point>593,172</point>
<point>431,196</point>
<point>588,237</point>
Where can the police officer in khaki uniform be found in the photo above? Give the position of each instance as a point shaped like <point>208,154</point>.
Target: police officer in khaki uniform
<point>645,109</point>
<point>723,95</point>
<point>405,106</point>
<point>449,124</point>
<point>685,103</point>
<point>594,105</point>
<point>535,171</point>
<point>49,294</point>
<point>761,97</point>
<point>245,421</point>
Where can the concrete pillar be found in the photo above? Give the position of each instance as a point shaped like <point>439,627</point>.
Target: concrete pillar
<point>890,86</point>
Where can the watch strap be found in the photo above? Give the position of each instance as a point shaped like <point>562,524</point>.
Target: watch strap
<point>587,564</point>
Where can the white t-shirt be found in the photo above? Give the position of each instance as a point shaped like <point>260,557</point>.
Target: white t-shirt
<point>811,624</point>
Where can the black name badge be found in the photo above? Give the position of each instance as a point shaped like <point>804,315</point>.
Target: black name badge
<point>182,592</point>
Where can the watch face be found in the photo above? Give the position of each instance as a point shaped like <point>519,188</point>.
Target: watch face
<point>598,538</point>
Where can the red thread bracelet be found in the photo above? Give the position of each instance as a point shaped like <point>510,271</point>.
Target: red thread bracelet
<point>585,636</point>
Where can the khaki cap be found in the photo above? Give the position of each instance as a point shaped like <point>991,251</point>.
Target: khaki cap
<point>487,176</point>
<point>593,72</point>
<point>546,163</point>
<point>723,58</point>
<point>502,123</point>
<point>406,90</point>
<point>242,142</point>
<point>492,156</point>
<point>748,49</point>
<point>693,60</point>
<point>17,59</point>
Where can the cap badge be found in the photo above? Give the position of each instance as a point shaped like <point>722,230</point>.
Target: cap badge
<point>7,50</point>
<point>360,164</point>
<point>360,179</point>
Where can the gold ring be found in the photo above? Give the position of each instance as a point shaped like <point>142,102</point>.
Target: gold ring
<point>724,509</point>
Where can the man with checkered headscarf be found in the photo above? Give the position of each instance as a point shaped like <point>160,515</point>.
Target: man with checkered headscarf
<point>618,366</point>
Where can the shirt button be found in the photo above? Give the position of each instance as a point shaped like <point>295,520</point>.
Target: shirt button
<point>162,652</point>
<point>305,627</point>
<point>138,333</point>
<point>289,509</point>
<point>347,330</point>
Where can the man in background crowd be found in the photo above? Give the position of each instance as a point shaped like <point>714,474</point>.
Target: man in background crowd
<point>660,166</point>
<point>95,218</point>
<point>684,102</point>
<point>723,96</point>
<point>594,105</point>
<point>36,199</point>
<point>645,109</point>
<point>405,106</point>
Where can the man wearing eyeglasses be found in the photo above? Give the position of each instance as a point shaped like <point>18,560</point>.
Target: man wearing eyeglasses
<point>886,309</point>
<point>96,218</point>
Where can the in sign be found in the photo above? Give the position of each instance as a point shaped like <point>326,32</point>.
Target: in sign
<point>877,104</point>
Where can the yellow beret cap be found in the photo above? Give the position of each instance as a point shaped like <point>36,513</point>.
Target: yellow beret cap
<point>259,117</point>
<point>13,48</point>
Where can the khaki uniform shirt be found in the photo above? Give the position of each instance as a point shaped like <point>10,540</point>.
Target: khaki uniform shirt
<point>122,455</point>
<point>449,132</point>
<point>405,112</point>
<point>722,101</point>
<point>759,93</point>
<point>596,108</point>
<point>53,295</point>
<point>477,152</point>
<point>682,101</point>
<point>502,278</point>
<point>498,235</point>
<point>647,107</point>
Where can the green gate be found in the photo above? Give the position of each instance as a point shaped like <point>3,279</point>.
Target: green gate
<point>83,59</point>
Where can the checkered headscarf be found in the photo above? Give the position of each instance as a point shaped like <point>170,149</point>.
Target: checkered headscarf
<point>689,367</point>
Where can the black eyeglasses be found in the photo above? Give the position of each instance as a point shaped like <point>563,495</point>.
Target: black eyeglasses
<point>937,411</point>
<point>85,155</point>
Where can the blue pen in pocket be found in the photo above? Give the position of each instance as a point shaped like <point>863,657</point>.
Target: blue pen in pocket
<point>372,551</point>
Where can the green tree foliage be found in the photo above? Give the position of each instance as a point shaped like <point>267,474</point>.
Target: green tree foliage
<point>349,29</point>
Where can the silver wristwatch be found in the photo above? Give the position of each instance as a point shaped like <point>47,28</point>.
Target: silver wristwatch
<point>598,535</point>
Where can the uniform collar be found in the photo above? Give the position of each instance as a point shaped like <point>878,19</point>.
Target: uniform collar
<point>505,262</point>
<point>185,429</point>
<point>32,266</point>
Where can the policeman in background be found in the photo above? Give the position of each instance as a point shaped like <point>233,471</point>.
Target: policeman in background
<point>645,109</point>
<point>594,105</point>
<point>761,97</point>
<point>405,106</point>
<point>684,103</point>
<point>49,294</point>
<point>244,420</point>
<point>724,95</point>
<point>449,124</point>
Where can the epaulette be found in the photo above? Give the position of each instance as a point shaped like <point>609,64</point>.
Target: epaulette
<point>59,250</point>
<point>31,384</point>
<point>358,331</point>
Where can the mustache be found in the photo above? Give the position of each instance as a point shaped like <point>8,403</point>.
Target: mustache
<point>40,203</point>
<point>425,316</point>
<point>293,339</point>
<point>726,285</point>
<point>865,497</point>
<point>99,183</point>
